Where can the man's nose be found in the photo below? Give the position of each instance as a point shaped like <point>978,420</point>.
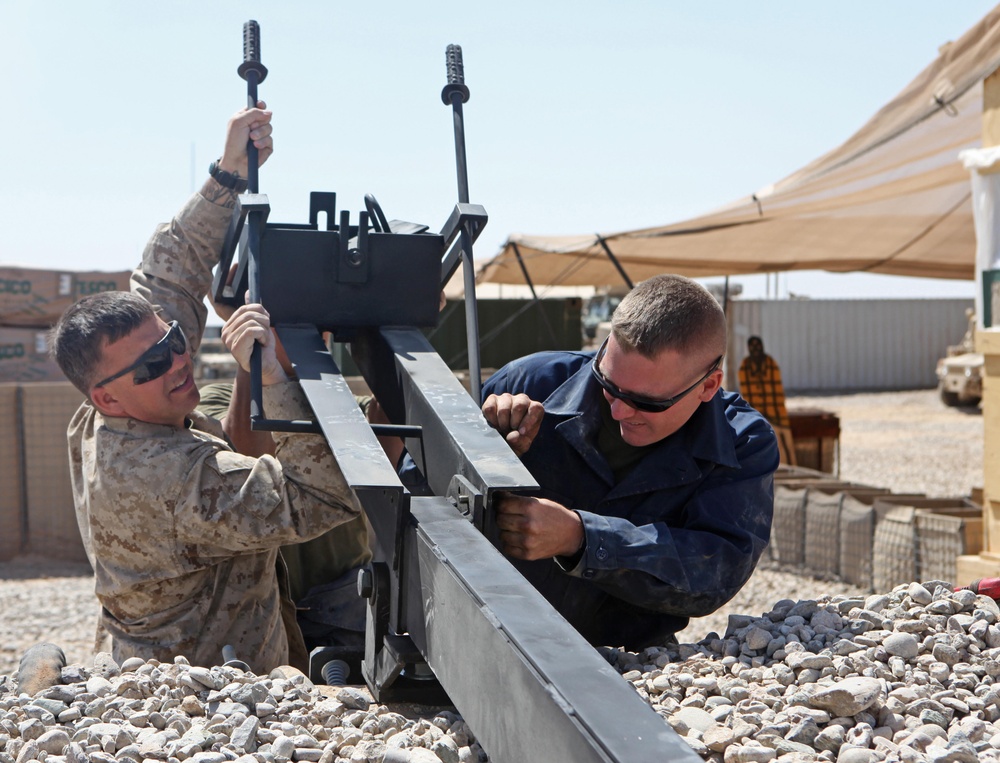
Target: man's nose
<point>176,360</point>
<point>620,410</point>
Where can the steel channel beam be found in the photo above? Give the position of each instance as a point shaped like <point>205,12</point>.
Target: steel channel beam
<point>456,437</point>
<point>351,439</point>
<point>523,678</point>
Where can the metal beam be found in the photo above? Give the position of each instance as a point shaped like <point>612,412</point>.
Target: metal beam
<point>523,678</point>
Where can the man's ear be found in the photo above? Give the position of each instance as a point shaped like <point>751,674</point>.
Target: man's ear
<point>106,402</point>
<point>712,385</point>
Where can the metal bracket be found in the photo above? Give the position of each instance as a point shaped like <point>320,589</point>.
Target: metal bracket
<point>232,293</point>
<point>322,201</point>
<point>393,668</point>
<point>472,217</point>
<point>353,261</point>
<point>469,501</point>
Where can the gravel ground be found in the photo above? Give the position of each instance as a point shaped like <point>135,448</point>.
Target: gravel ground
<point>908,442</point>
<point>904,441</point>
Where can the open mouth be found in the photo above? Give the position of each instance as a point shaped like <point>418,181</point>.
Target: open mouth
<point>185,383</point>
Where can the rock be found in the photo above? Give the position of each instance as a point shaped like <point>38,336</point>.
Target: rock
<point>41,667</point>
<point>847,697</point>
<point>353,698</point>
<point>718,738</point>
<point>244,737</point>
<point>850,754</point>
<point>903,645</point>
<point>749,754</point>
<point>53,742</point>
<point>695,718</point>
<point>758,638</point>
<point>105,665</point>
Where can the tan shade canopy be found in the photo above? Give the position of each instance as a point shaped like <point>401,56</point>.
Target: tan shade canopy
<point>893,199</point>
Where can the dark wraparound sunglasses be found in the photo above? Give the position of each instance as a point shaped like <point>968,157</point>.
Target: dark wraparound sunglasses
<point>157,360</point>
<point>637,401</point>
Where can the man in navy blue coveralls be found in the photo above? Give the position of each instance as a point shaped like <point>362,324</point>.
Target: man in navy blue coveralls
<point>656,484</point>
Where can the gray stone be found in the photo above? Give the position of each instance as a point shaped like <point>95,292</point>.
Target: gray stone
<point>903,645</point>
<point>850,754</point>
<point>946,653</point>
<point>758,638</point>
<point>718,738</point>
<point>749,754</point>
<point>244,736</point>
<point>831,738</point>
<point>105,665</point>
<point>54,741</point>
<point>251,694</point>
<point>847,697</point>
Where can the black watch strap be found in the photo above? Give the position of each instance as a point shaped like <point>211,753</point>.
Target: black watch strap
<point>227,179</point>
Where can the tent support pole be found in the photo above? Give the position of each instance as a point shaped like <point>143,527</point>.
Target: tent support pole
<point>534,295</point>
<point>614,260</point>
<point>524,270</point>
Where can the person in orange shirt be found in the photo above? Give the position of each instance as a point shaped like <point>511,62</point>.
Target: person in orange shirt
<point>761,386</point>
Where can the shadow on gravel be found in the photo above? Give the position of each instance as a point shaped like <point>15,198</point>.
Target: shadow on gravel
<point>33,567</point>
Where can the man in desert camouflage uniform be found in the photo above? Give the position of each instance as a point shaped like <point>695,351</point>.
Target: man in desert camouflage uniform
<point>182,532</point>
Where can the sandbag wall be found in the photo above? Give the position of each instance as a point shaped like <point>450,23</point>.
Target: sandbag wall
<point>36,501</point>
<point>36,403</point>
<point>868,536</point>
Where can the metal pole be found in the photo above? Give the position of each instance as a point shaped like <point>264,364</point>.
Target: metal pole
<point>254,72</point>
<point>456,93</point>
<point>614,260</point>
<point>527,280</point>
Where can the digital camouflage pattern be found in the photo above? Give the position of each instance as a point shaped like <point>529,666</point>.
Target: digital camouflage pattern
<point>182,532</point>
<point>317,562</point>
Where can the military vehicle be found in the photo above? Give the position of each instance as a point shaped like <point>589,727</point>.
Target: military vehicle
<point>960,372</point>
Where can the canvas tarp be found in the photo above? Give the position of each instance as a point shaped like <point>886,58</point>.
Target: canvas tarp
<point>894,199</point>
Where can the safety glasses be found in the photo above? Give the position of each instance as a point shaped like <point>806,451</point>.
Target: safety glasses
<point>638,402</point>
<point>157,360</point>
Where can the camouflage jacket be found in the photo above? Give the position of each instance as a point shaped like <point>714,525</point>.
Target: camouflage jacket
<point>182,532</point>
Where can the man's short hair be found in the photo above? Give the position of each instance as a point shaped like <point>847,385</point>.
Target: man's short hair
<point>78,337</point>
<point>670,312</point>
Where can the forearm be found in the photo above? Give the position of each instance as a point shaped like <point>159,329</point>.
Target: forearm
<point>236,422</point>
<point>307,460</point>
<point>691,556</point>
<point>177,263</point>
<point>678,572</point>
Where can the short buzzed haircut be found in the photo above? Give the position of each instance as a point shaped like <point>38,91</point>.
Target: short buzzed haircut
<point>670,312</point>
<point>78,337</point>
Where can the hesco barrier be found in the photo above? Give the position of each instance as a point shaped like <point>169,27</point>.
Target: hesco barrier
<point>36,502</point>
<point>869,536</point>
<point>10,473</point>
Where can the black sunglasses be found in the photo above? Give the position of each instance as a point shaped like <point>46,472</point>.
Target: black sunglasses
<point>157,360</point>
<point>637,401</point>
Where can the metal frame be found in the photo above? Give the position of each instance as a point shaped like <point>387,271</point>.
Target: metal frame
<point>449,618</point>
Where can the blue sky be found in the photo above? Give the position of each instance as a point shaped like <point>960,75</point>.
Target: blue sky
<point>585,116</point>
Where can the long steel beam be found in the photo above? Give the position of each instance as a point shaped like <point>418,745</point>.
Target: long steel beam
<point>523,678</point>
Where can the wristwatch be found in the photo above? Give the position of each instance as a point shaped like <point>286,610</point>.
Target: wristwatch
<point>227,179</point>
